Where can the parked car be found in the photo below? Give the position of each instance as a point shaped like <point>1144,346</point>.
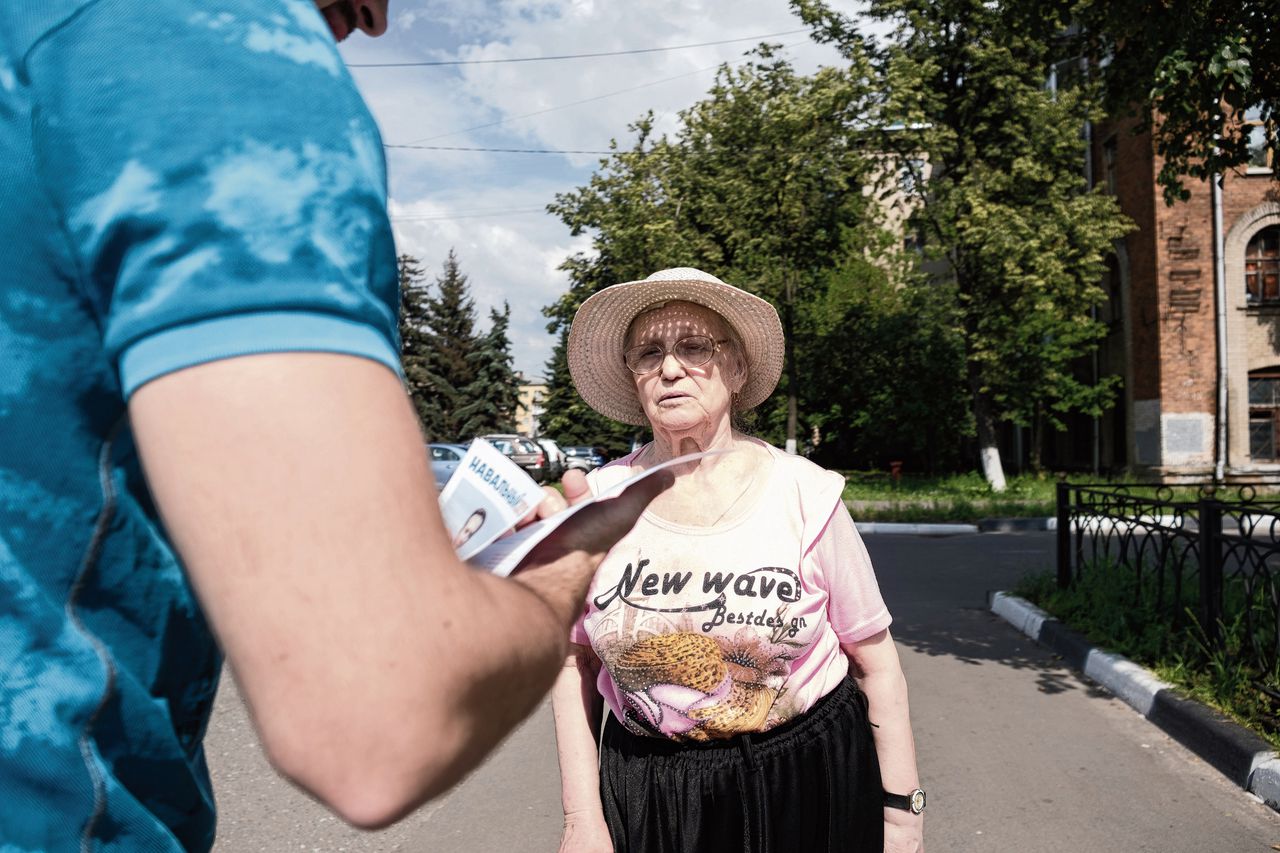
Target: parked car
<point>583,458</point>
<point>556,460</point>
<point>523,451</point>
<point>444,461</point>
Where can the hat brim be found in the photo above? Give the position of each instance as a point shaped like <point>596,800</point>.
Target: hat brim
<point>597,339</point>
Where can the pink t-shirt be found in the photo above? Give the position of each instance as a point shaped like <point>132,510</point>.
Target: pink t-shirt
<point>708,632</point>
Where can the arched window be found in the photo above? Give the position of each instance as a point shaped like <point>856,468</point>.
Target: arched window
<point>1262,266</point>
<point>1264,414</point>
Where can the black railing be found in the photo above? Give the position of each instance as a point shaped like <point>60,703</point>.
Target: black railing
<point>1214,553</point>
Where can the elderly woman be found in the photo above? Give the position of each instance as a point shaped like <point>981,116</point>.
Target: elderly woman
<point>737,634</point>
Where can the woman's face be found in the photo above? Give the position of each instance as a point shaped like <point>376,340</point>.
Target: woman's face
<point>677,397</point>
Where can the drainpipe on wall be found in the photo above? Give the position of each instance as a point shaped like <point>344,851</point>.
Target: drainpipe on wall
<point>1220,312</point>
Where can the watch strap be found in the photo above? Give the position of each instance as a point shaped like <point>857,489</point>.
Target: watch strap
<point>905,802</point>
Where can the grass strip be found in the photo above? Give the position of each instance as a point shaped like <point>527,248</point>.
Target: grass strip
<point>1116,610</point>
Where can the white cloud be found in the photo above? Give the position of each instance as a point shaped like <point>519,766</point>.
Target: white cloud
<point>512,258</point>
<point>567,28</point>
<point>511,255</point>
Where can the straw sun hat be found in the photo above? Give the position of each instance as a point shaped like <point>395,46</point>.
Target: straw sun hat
<point>597,337</point>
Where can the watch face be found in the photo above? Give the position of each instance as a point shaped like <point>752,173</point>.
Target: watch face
<point>917,801</point>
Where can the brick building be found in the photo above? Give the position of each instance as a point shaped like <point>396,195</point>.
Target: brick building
<point>1184,411</point>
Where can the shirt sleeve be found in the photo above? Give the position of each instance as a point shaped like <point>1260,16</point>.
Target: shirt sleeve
<point>855,607</point>
<point>221,182</point>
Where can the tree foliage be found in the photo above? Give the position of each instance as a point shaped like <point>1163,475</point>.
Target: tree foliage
<point>1004,209</point>
<point>569,420</point>
<point>492,397</point>
<point>762,185</point>
<point>461,381</point>
<point>415,335</point>
<point>885,372</point>
<point>1190,69</point>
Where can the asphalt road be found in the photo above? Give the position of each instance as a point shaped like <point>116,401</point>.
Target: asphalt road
<point>1017,752</point>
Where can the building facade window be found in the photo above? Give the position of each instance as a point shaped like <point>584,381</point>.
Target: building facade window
<point>1264,414</point>
<point>1109,164</point>
<point>1262,266</point>
<point>911,175</point>
<point>1258,131</point>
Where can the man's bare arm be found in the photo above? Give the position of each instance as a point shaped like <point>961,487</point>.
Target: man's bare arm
<point>379,669</point>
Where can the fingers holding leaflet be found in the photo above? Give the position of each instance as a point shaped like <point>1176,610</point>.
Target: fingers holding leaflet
<point>596,528</point>
<point>552,502</point>
<point>562,565</point>
<point>576,489</point>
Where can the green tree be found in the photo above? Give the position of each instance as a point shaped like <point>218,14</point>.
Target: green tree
<point>885,372</point>
<point>1004,208</point>
<point>415,334</point>
<point>761,185</point>
<point>450,318</point>
<point>493,395</point>
<point>569,420</point>
<point>1190,69</point>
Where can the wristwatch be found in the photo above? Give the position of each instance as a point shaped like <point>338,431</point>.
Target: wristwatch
<point>913,802</point>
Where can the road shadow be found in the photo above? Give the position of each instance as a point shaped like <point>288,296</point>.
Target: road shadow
<point>976,637</point>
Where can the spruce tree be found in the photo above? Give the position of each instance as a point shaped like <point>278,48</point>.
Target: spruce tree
<point>450,318</point>
<point>569,420</point>
<point>415,343</point>
<point>493,395</point>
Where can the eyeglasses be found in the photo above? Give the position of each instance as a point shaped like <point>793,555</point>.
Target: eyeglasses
<point>693,351</point>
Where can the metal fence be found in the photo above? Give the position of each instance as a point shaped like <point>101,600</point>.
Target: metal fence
<point>1212,552</point>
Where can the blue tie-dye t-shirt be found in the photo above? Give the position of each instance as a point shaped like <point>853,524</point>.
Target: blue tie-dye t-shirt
<point>182,181</point>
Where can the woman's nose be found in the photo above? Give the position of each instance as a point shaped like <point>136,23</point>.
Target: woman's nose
<point>672,368</point>
<point>371,16</point>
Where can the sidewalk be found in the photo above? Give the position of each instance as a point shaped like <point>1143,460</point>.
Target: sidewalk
<point>1019,752</point>
<point>1239,754</point>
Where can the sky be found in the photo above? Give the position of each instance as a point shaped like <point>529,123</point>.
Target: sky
<point>489,206</point>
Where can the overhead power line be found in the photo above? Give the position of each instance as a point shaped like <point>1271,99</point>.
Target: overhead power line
<point>499,150</point>
<point>568,105</point>
<point>702,70</point>
<point>443,62</point>
<point>449,216</point>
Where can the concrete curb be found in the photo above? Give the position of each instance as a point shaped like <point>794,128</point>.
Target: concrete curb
<point>1016,525</point>
<point>986,525</point>
<point>1002,525</point>
<point>914,529</point>
<point>1239,754</point>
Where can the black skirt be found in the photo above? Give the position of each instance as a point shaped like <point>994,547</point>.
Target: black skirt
<point>809,785</point>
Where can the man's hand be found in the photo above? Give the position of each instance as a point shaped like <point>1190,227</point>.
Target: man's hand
<point>560,568</point>
<point>574,483</point>
<point>553,502</point>
<point>575,490</point>
<point>297,491</point>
